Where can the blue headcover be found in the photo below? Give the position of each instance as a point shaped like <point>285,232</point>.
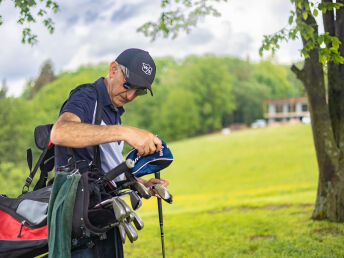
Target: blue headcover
<point>149,164</point>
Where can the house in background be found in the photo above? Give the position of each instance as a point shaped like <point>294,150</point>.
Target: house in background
<point>286,109</point>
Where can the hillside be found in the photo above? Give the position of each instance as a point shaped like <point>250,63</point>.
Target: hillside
<point>247,194</point>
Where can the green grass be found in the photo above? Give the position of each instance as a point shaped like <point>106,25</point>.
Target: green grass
<point>247,194</point>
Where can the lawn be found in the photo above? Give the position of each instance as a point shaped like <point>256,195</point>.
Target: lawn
<point>246,194</point>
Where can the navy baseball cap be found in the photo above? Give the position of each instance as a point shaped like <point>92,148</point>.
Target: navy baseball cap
<point>144,165</point>
<point>140,67</point>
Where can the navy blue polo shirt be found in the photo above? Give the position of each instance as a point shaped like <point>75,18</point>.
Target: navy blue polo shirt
<point>83,103</point>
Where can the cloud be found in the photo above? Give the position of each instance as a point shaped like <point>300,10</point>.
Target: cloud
<point>125,12</point>
<point>88,31</point>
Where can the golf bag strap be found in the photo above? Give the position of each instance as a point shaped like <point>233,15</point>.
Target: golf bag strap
<point>97,121</point>
<point>29,179</point>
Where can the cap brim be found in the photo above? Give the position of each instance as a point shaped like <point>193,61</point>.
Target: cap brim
<point>138,80</point>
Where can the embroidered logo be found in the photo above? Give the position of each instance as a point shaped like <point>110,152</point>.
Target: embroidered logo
<point>147,69</point>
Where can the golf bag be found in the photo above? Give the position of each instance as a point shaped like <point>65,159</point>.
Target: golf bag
<point>23,220</point>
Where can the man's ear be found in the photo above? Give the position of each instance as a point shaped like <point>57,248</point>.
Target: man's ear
<point>113,69</point>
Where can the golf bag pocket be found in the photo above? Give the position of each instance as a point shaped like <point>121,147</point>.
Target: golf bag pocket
<point>23,224</point>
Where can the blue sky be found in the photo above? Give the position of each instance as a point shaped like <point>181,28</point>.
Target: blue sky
<point>93,31</point>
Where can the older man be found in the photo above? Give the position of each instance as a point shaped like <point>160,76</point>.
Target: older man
<point>129,76</point>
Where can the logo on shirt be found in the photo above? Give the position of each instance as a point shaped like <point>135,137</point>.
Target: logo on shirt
<point>147,69</point>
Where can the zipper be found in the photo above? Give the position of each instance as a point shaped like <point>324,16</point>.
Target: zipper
<point>21,228</point>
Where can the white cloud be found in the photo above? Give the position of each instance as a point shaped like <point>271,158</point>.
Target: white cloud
<point>100,30</point>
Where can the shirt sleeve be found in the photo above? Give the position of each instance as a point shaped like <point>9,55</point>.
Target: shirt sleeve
<point>81,102</point>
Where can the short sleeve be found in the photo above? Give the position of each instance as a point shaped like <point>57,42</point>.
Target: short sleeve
<point>81,102</point>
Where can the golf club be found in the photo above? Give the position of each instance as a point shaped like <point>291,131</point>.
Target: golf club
<point>162,192</point>
<point>118,209</point>
<point>131,217</point>
<point>137,221</point>
<point>142,190</point>
<point>130,230</point>
<point>125,206</point>
<point>135,200</point>
<point>122,232</point>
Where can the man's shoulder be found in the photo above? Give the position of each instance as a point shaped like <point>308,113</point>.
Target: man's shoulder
<point>87,91</point>
<point>81,102</point>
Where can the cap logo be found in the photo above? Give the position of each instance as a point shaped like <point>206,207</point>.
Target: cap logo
<point>147,69</point>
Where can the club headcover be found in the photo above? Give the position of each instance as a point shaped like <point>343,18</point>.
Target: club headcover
<point>144,165</point>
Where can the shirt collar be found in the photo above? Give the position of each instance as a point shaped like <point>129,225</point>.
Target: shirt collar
<point>104,96</point>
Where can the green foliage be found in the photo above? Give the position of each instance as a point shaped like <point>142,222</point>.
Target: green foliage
<point>27,16</point>
<point>197,95</point>
<point>327,45</point>
<point>181,17</point>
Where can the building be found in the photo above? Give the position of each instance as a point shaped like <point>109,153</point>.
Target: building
<point>286,109</point>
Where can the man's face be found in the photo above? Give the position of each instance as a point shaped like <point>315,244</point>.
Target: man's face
<point>118,94</point>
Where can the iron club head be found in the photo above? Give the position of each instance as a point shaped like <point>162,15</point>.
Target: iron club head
<point>162,192</point>
<point>137,221</point>
<point>130,230</point>
<point>135,200</point>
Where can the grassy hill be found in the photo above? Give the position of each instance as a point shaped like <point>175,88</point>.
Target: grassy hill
<point>247,194</point>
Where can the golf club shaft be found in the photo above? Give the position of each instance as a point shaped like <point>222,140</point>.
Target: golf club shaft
<point>157,176</point>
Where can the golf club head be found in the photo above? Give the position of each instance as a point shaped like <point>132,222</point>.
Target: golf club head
<point>142,190</point>
<point>137,221</point>
<point>163,192</point>
<point>105,203</point>
<point>130,218</point>
<point>122,232</point>
<point>118,209</point>
<point>125,206</point>
<point>135,200</point>
<point>130,230</point>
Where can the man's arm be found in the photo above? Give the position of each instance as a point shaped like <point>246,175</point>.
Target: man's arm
<point>69,131</point>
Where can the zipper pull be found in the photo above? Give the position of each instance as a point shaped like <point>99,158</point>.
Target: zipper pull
<point>21,228</point>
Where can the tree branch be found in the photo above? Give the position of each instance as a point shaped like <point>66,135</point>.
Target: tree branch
<point>299,73</point>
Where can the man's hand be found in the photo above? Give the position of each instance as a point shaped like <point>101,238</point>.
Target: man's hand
<point>143,141</point>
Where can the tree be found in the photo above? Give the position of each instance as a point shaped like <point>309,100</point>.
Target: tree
<point>28,15</point>
<point>321,52</point>
<point>3,89</point>
<point>46,75</point>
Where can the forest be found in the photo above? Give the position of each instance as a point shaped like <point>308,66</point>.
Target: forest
<point>193,96</point>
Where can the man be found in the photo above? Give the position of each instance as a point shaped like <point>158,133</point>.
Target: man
<point>129,76</point>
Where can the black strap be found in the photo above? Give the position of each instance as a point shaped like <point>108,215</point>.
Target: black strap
<point>29,179</point>
<point>97,121</point>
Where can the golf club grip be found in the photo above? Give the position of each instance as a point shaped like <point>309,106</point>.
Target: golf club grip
<point>115,172</point>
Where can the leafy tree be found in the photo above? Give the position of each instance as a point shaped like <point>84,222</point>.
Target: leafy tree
<point>179,115</point>
<point>28,14</point>
<point>321,51</point>
<point>207,78</point>
<point>46,75</point>
<point>3,89</point>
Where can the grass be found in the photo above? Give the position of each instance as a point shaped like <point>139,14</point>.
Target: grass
<point>247,194</point>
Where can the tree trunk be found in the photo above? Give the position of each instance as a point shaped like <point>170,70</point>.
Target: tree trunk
<point>326,126</point>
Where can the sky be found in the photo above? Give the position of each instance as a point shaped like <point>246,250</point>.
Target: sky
<point>93,31</point>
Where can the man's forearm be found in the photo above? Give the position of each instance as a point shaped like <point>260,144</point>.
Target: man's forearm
<point>81,135</point>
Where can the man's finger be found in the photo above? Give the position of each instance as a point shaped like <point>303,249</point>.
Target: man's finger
<point>157,143</point>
